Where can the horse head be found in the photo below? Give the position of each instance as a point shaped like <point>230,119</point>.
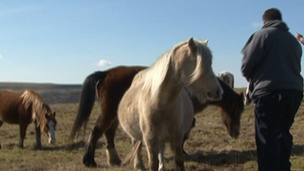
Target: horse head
<point>195,59</point>
<point>231,115</point>
<point>49,125</point>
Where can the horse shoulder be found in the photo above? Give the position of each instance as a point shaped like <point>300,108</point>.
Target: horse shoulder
<point>188,113</point>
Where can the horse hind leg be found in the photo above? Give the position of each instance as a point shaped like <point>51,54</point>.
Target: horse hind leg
<point>112,155</point>
<point>88,158</point>
<point>138,162</point>
<point>102,124</point>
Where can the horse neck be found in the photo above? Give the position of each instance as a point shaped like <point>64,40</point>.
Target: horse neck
<point>171,86</point>
<point>37,108</point>
<point>40,118</point>
<point>229,100</point>
<point>167,85</point>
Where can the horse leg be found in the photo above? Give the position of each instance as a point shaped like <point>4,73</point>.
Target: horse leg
<point>1,123</point>
<point>153,150</point>
<point>161,158</point>
<point>88,158</point>
<point>138,162</point>
<point>102,124</point>
<point>177,149</point>
<point>22,129</point>
<point>113,158</point>
<point>38,136</point>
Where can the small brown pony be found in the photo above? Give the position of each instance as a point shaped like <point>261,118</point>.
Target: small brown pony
<point>24,108</point>
<point>110,85</point>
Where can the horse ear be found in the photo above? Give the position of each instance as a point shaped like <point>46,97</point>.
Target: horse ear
<point>206,42</point>
<point>191,44</point>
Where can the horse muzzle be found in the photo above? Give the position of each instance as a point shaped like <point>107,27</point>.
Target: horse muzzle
<point>234,134</point>
<point>52,141</point>
<point>215,96</point>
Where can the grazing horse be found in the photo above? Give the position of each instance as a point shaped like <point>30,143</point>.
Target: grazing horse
<point>109,87</point>
<point>157,108</point>
<point>24,108</point>
<point>227,77</point>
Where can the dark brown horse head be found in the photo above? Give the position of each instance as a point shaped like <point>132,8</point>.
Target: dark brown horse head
<point>231,115</point>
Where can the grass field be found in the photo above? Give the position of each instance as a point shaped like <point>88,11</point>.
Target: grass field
<point>209,145</point>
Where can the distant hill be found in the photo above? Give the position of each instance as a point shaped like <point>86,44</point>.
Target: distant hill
<point>51,93</point>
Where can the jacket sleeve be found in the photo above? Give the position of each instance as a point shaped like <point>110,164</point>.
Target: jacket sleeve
<point>252,55</point>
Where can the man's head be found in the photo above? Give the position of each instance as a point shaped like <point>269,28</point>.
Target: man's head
<point>272,14</point>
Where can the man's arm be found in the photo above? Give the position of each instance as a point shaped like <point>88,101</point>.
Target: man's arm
<point>300,38</point>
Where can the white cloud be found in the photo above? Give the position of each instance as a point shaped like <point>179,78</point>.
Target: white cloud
<point>103,63</point>
<point>256,24</point>
<point>1,56</point>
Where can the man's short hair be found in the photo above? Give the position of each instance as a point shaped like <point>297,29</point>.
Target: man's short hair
<point>272,14</point>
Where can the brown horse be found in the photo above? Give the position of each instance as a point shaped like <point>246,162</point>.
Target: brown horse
<point>110,86</point>
<point>25,108</point>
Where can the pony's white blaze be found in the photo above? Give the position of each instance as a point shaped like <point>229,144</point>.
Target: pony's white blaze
<point>52,138</point>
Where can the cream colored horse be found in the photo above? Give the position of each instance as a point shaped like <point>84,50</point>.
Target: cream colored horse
<point>157,109</point>
<point>227,78</point>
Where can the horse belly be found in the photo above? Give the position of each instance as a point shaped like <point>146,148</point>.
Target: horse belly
<point>129,119</point>
<point>9,115</point>
<point>131,127</point>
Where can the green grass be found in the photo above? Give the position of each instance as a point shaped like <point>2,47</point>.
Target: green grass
<point>209,145</point>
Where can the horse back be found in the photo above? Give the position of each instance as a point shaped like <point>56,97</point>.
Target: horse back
<point>11,108</point>
<point>116,83</point>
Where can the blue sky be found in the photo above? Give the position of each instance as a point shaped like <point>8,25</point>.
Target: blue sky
<point>63,41</point>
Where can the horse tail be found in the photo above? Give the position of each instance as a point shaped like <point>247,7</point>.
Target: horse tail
<point>87,100</point>
<point>131,155</point>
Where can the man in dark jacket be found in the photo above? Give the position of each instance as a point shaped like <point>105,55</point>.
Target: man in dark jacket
<point>272,65</point>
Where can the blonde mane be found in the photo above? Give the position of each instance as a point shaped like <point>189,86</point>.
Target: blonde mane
<point>32,99</point>
<point>204,53</point>
<point>162,66</point>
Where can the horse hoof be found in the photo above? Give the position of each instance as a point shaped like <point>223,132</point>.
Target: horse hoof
<point>38,147</point>
<point>115,163</point>
<point>89,162</point>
